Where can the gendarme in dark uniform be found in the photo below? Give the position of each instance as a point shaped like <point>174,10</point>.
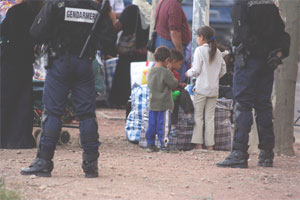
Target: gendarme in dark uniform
<point>260,43</point>
<point>65,25</point>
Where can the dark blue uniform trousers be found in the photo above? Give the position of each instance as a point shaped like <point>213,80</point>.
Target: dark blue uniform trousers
<point>69,73</point>
<point>252,88</point>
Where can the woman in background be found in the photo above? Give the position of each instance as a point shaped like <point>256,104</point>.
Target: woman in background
<point>17,56</point>
<point>121,88</point>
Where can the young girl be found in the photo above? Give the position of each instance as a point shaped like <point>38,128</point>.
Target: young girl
<point>208,67</point>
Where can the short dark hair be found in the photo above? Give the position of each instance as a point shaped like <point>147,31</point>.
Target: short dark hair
<point>161,54</point>
<point>176,55</point>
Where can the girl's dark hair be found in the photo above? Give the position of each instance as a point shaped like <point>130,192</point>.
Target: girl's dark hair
<point>176,55</point>
<point>208,34</point>
<point>161,54</point>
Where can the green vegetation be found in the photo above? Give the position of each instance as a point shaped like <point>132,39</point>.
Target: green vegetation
<point>6,194</point>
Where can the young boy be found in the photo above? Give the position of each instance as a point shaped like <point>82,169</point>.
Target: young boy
<point>184,100</point>
<point>161,82</point>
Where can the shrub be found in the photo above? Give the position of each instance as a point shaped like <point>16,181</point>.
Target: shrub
<point>6,194</point>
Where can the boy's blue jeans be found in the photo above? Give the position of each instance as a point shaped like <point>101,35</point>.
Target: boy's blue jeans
<point>159,123</point>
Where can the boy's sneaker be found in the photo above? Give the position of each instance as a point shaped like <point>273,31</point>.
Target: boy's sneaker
<point>191,121</point>
<point>152,148</point>
<point>164,149</point>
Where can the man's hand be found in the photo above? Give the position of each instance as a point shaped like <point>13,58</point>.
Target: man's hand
<point>177,40</point>
<point>113,17</point>
<point>118,26</point>
<point>182,85</point>
<point>279,54</point>
<point>274,59</point>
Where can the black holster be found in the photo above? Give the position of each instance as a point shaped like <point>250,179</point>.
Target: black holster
<point>273,60</point>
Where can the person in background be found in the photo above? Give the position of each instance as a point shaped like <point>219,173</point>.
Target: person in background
<point>172,28</point>
<point>145,12</point>
<point>117,7</point>
<point>121,88</point>
<point>17,57</point>
<point>208,67</point>
<point>161,82</point>
<point>225,89</point>
<point>109,53</point>
<point>183,100</point>
<point>110,11</point>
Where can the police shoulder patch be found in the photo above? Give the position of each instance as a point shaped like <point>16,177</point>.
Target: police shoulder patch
<point>80,15</point>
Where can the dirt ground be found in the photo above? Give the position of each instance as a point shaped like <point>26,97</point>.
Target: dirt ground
<point>129,172</point>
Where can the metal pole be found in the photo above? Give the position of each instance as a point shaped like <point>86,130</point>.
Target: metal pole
<point>200,18</point>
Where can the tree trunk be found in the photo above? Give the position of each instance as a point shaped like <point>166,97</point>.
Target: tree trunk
<point>154,5</point>
<point>285,82</point>
<point>0,100</point>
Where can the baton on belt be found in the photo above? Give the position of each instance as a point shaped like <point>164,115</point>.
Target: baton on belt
<point>93,29</point>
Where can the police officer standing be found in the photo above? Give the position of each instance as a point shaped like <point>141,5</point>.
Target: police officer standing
<point>260,42</point>
<point>64,25</point>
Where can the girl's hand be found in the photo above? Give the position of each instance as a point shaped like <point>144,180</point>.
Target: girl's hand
<point>182,85</point>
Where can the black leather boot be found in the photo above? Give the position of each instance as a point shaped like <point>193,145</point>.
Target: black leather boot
<point>43,165</point>
<point>237,159</point>
<point>265,158</point>
<point>90,168</point>
<point>90,164</point>
<point>39,167</point>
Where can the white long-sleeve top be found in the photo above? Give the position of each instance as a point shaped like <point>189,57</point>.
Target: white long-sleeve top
<point>207,74</point>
